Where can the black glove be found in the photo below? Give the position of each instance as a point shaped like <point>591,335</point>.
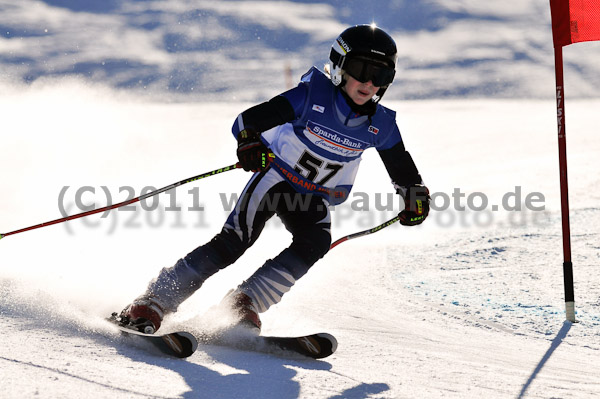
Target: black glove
<point>416,205</point>
<point>252,153</point>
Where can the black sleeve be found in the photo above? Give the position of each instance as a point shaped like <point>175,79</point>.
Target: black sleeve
<point>267,115</point>
<point>400,166</point>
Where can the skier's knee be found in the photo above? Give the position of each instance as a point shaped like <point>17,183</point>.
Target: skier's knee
<point>227,246</point>
<point>313,245</point>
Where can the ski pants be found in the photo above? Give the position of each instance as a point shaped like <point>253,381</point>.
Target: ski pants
<point>306,216</point>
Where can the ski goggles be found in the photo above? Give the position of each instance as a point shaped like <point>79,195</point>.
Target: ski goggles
<point>364,70</point>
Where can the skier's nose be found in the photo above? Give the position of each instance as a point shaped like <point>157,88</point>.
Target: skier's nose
<point>370,83</point>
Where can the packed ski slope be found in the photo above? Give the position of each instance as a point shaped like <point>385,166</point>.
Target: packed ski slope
<point>470,304</point>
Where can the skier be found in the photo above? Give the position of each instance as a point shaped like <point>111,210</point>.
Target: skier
<point>304,147</point>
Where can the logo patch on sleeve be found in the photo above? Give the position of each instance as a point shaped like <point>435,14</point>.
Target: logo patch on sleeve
<point>373,129</point>
<point>318,108</point>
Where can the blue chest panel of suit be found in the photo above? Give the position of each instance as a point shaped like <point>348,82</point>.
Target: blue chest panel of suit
<point>322,146</point>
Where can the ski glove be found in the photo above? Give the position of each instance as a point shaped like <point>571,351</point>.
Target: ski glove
<point>416,205</point>
<point>252,153</point>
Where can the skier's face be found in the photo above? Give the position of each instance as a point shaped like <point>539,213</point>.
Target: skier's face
<point>359,92</point>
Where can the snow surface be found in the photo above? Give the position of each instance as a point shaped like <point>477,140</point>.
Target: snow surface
<point>115,97</point>
<point>234,50</point>
<point>469,304</point>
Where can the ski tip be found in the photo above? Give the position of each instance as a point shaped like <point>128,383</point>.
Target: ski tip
<point>331,339</point>
<point>1,236</point>
<point>191,338</point>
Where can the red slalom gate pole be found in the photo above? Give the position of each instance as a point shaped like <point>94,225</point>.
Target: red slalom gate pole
<point>564,187</point>
<point>128,202</point>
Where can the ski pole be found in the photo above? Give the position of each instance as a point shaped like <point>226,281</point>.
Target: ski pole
<point>127,202</point>
<point>366,232</point>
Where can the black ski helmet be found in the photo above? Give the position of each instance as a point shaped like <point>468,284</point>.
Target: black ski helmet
<point>364,50</point>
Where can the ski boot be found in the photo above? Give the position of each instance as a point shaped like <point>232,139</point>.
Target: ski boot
<point>244,309</point>
<point>145,314</point>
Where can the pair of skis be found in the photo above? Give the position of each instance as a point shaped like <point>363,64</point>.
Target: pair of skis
<point>183,344</point>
